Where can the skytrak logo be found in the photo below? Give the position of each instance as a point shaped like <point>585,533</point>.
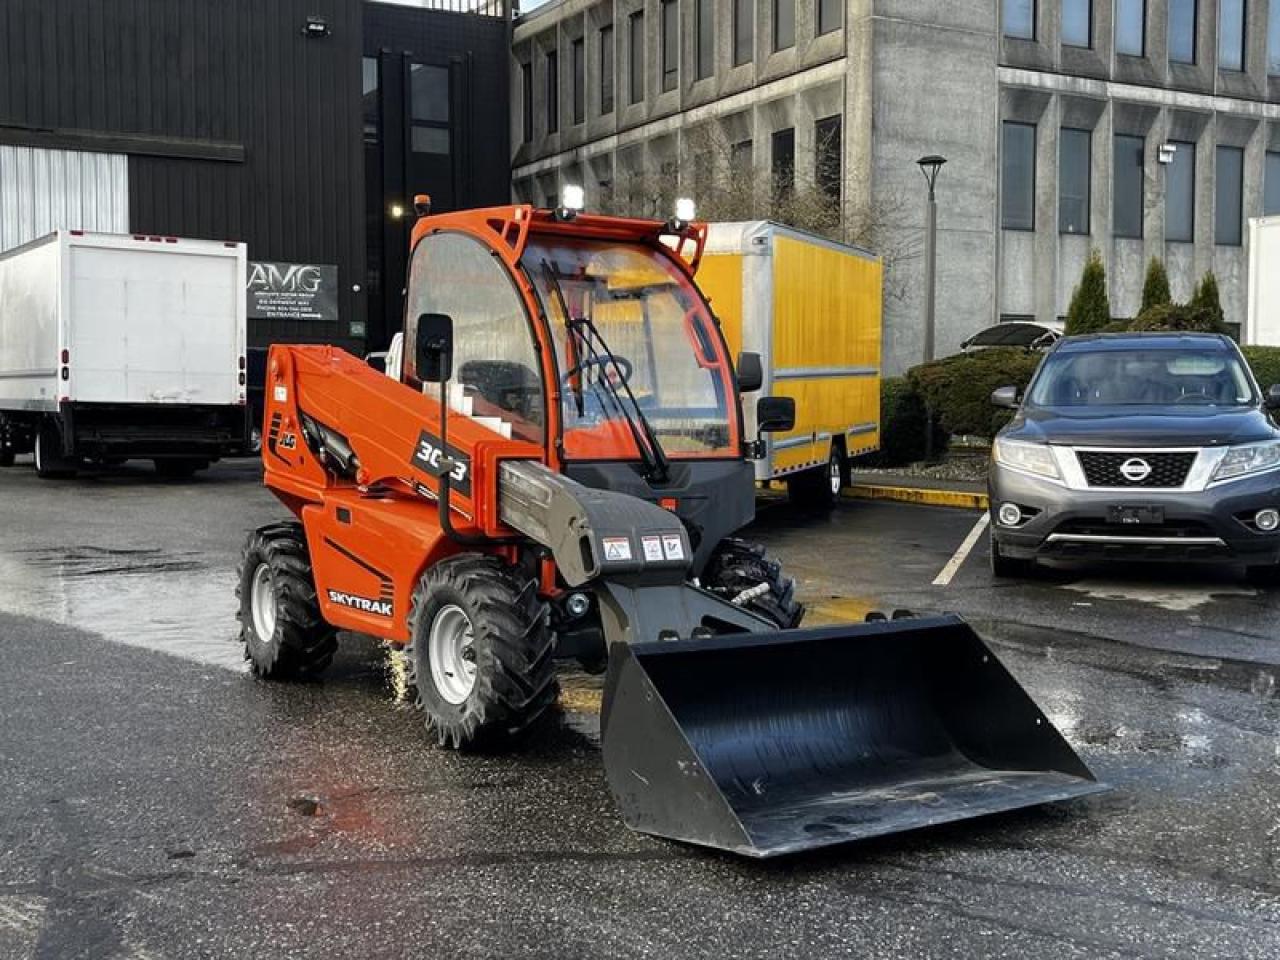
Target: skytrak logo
<point>381,608</point>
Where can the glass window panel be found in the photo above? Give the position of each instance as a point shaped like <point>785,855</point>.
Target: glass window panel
<point>1131,27</point>
<point>828,171</point>
<point>830,14</point>
<point>1180,195</point>
<point>1020,19</point>
<point>1018,176</point>
<point>635,28</point>
<point>1229,197</point>
<point>1130,185</point>
<point>1273,40</point>
<point>430,140</point>
<point>744,31</point>
<point>369,70</point>
<point>429,93</point>
<point>706,37</point>
<point>1073,180</point>
<point>1182,31</point>
<point>1231,35</point>
<point>606,69</point>
<point>784,160</point>
<point>1077,23</point>
<point>1271,190</point>
<point>740,159</point>
<point>526,95</point>
<point>670,43</point>
<point>553,92</point>
<point>784,24</point>
<point>579,81</point>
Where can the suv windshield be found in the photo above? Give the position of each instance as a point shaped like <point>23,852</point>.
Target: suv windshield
<point>656,327</point>
<point>1136,377</point>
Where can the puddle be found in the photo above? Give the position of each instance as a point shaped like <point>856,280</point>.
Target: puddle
<point>154,599</point>
<point>1174,599</point>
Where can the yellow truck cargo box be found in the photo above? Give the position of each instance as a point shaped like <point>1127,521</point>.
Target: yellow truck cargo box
<point>811,308</point>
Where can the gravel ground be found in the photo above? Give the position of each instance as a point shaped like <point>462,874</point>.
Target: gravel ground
<point>967,467</point>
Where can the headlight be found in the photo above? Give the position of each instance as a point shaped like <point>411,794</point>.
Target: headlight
<point>1034,458</point>
<point>1250,458</point>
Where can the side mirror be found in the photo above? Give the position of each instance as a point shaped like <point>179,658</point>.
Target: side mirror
<point>434,347</point>
<point>1005,397</point>
<point>750,372</point>
<point>775,414</point>
<point>1273,397</point>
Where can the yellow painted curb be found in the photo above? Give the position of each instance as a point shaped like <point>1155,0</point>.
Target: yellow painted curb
<point>935,498</point>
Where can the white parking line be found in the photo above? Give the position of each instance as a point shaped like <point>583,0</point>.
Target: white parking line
<point>954,564</point>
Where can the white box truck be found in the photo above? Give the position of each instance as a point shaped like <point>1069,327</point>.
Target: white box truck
<point>1262,324</point>
<point>119,347</point>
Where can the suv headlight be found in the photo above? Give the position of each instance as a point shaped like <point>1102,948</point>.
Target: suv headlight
<point>1034,458</point>
<point>1249,458</point>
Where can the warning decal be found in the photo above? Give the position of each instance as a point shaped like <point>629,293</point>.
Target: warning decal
<point>616,548</point>
<point>652,548</point>
<point>672,546</point>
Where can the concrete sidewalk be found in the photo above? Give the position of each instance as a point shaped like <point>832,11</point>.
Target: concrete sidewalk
<point>909,488</point>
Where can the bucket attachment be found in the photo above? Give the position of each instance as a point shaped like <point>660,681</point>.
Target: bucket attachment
<point>772,743</point>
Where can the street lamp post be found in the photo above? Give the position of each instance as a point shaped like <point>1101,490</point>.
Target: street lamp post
<point>930,166</point>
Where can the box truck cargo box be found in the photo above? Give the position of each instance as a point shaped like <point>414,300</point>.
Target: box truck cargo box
<point>812,309</point>
<point>118,347</point>
<point>1262,325</point>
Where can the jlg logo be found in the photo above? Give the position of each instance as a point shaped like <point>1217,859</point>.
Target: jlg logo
<point>379,607</point>
<point>429,456</point>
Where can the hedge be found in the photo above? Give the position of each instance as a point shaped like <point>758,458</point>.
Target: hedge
<point>1265,362</point>
<point>902,427</point>
<point>959,388</point>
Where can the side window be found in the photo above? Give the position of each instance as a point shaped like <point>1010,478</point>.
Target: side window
<point>495,366</point>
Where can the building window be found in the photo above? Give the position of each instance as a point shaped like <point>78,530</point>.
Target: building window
<point>740,160</point>
<point>429,108</point>
<point>1273,41</point>
<point>1228,225</point>
<point>830,14</point>
<point>526,100</point>
<point>1128,190</point>
<point>1077,23</point>
<point>635,37</point>
<point>1020,19</point>
<point>744,31</point>
<point>784,24</point>
<point>1231,35</point>
<point>1182,31</point>
<point>1018,176</point>
<point>606,69</point>
<point>1131,27</point>
<point>828,168</point>
<point>670,44</point>
<point>1271,188</point>
<point>784,161</point>
<point>579,81</point>
<point>1180,195</point>
<point>1074,149</point>
<point>705,37</point>
<point>553,92</point>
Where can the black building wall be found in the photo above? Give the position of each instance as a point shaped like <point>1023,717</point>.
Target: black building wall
<point>237,126</point>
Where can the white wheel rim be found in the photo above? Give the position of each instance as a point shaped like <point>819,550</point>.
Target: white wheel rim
<point>451,650</point>
<point>262,603</point>
<point>833,474</point>
<point>39,459</point>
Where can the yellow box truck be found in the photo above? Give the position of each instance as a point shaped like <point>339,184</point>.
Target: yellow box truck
<point>812,309</point>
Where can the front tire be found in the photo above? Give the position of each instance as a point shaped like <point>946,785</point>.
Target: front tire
<point>284,635</point>
<point>743,573</point>
<point>50,461</point>
<point>480,652</point>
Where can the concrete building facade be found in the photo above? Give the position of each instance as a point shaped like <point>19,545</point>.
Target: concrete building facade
<point>1052,115</point>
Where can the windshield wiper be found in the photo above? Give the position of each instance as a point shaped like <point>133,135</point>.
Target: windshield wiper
<point>656,464</point>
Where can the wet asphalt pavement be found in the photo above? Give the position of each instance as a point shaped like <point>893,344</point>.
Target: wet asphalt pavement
<point>165,804</point>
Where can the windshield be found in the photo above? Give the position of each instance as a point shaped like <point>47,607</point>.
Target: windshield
<point>635,304</point>
<point>1104,378</point>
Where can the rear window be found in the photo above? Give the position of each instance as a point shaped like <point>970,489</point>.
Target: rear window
<point>1136,377</point>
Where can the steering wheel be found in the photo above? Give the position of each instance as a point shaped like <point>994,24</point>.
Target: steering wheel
<point>1195,396</point>
<point>624,367</point>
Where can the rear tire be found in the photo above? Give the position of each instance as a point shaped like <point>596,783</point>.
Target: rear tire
<point>6,458</point>
<point>50,461</point>
<point>741,565</point>
<point>480,652</point>
<point>284,635</point>
<point>818,490</point>
<point>1008,568</point>
<point>181,468</point>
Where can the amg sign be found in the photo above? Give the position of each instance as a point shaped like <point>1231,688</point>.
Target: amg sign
<point>293,291</point>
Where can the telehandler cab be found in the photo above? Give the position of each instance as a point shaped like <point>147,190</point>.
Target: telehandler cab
<point>559,472</point>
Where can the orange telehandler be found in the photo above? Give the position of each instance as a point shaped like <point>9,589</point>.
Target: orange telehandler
<point>558,472</point>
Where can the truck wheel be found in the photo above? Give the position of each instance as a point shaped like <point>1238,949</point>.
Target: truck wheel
<point>6,457</point>
<point>284,635</point>
<point>1005,567</point>
<point>817,490</point>
<point>480,652</point>
<point>742,572</point>
<point>49,459</point>
<point>182,468</point>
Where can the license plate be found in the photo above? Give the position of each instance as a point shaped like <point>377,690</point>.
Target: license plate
<point>1128,514</point>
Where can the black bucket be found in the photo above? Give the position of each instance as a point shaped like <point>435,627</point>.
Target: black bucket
<point>766,744</point>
